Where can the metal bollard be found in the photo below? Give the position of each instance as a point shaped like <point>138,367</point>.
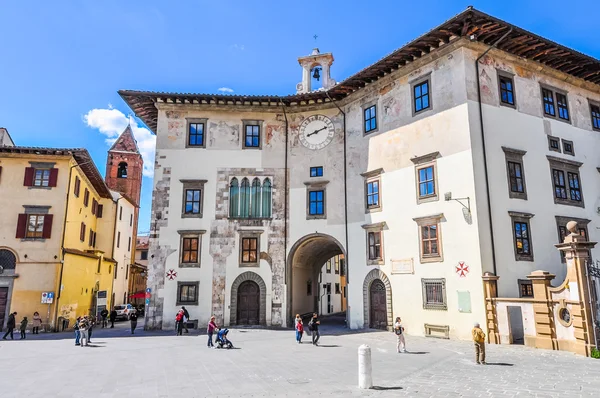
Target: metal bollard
<point>365,370</point>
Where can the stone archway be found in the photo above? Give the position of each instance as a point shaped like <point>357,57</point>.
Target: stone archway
<point>248,276</point>
<point>372,276</point>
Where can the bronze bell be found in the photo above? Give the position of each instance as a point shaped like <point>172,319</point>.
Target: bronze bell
<point>316,74</point>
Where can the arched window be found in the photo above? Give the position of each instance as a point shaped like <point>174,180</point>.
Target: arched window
<point>245,198</point>
<point>255,198</point>
<point>234,198</point>
<point>266,198</point>
<point>7,259</point>
<point>122,170</point>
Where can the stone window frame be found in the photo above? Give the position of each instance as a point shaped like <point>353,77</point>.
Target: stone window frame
<point>204,122</point>
<point>316,185</point>
<point>425,221</point>
<point>369,177</point>
<point>254,122</point>
<point>427,306</point>
<point>521,283</point>
<point>192,184</point>
<point>180,284</point>
<point>415,82</point>
<point>521,217</point>
<point>564,148</point>
<point>316,169</point>
<point>594,104</point>
<point>552,139</point>
<point>515,156</point>
<point>566,166</point>
<point>561,221</point>
<point>190,234</point>
<point>249,233</point>
<point>364,108</point>
<point>555,91</point>
<point>510,76</point>
<point>375,228</point>
<point>422,162</point>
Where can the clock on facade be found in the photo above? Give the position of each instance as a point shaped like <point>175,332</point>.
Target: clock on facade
<point>316,131</point>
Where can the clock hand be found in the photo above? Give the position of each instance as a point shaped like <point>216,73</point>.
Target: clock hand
<point>316,131</point>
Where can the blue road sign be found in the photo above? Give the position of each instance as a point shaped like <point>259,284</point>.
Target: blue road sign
<point>147,301</point>
<point>148,290</point>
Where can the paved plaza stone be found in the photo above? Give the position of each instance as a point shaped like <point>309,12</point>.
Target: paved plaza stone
<point>269,363</point>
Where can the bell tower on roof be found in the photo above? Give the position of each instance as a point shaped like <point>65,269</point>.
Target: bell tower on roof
<point>124,167</point>
<point>315,66</point>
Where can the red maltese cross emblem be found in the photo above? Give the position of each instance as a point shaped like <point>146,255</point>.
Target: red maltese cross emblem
<point>171,274</point>
<point>462,269</point>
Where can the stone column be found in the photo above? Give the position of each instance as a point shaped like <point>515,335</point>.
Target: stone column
<point>543,310</point>
<point>490,290</point>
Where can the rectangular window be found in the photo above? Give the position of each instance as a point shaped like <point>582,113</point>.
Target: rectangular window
<point>563,108</point>
<point>192,201</point>
<point>336,264</point>
<point>342,267</point>
<point>516,177</point>
<point>82,232</point>
<point>119,239</point>
<point>187,293</point>
<point>76,186</point>
<point>328,266</point>
<point>434,294</point>
<point>337,288</point>
<point>91,239</point>
<point>189,250</point>
<point>421,96</point>
<point>328,287</point>
<point>144,255</point>
<point>86,197</point>
<point>574,189</point>
<point>595,112</point>
<point>249,250</point>
<point>121,213</point>
<point>507,95</point>
<point>129,245</point>
<point>316,206</point>
<point>426,182</point>
<point>522,238</point>
<point>374,238</point>
<point>560,188</point>
<point>41,178</point>
<point>252,136</point>
<point>370,118</point>
<point>566,181</point>
<point>568,147</point>
<point>525,289</point>
<point>131,220</point>
<point>100,210</point>
<point>316,171</point>
<point>429,240</point>
<point>35,226</point>
<point>548,97</point>
<point>94,206</point>
<point>554,144</point>
<point>372,194</point>
<point>516,174</point>
<point>196,134</point>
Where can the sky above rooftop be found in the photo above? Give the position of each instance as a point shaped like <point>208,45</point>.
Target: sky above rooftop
<point>61,63</point>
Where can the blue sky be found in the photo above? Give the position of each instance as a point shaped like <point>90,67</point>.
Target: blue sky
<point>62,62</point>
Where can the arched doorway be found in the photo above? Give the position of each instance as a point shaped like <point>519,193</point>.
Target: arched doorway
<point>378,310</point>
<point>248,300</point>
<point>8,263</point>
<point>305,260</point>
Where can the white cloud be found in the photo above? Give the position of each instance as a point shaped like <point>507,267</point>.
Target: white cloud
<point>226,90</point>
<point>238,47</point>
<point>111,122</point>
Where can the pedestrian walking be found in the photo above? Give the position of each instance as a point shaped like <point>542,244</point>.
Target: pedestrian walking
<point>23,327</point>
<point>77,332</point>
<point>399,330</point>
<point>91,323</point>
<point>37,323</point>
<point>104,314</point>
<point>179,322</point>
<point>84,326</point>
<point>113,318</point>
<point>133,319</point>
<point>479,340</point>
<point>299,329</point>
<point>313,326</point>
<point>212,325</point>
<point>186,317</point>
<point>11,323</point>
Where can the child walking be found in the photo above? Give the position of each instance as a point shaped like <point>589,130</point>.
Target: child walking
<point>399,330</point>
<point>299,329</point>
<point>479,340</point>
<point>23,327</point>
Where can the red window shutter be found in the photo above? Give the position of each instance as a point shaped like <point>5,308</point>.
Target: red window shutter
<point>29,175</point>
<point>99,212</point>
<point>53,177</point>
<point>21,226</point>
<point>47,231</point>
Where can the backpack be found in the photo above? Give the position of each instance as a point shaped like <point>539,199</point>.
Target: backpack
<point>399,331</point>
<point>310,326</point>
<point>179,317</point>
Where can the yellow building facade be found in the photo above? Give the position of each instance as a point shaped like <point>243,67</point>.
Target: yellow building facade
<point>57,235</point>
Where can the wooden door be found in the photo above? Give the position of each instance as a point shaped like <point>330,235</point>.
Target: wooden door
<point>378,310</point>
<point>248,307</point>
<point>3,302</point>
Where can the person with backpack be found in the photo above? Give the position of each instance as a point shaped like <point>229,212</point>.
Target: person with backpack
<point>299,329</point>
<point>399,331</point>
<point>179,322</point>
<point>212,325</point>
<point>479,340</point>
<point>186,317</point>
<point>23,327</point>
<point>313,326</point>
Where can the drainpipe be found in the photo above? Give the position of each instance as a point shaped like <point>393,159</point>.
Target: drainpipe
<point>285,207</point>
<point>485,166</point>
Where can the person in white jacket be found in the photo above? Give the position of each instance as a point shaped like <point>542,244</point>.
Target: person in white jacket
<point>399,330</point>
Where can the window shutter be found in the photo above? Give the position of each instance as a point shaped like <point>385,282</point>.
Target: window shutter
<point>82,233</point>
<point>77,185</point>
<point>21,226</point>
<point>47,231</point>
<point>99,212</point>
<point>29,175</point>
<point>53,177</point>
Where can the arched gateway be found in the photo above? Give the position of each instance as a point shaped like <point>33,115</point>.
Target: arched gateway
<point>377,296</point>
<point>304,263</point>
<point>248,300</point>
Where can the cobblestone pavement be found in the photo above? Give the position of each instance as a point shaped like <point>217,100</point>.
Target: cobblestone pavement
<point>268,363</point>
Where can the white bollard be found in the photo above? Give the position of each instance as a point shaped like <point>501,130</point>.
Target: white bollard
<point>365,370</point>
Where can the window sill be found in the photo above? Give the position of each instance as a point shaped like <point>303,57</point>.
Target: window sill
<point>519,257</point>
<point>376,262</point>
<point>189,265</point>
<point>517,195</point>
<point>568,202</point>
<point>249,265</point>
<point>420,112</point>
<point>432,259</point>
<point>190,303</point>
<point>366,133</point>
<point>506,104</point>
<point>252,147</point>
<point>34,187</point>
<point>373,210</point>
<point>316,217</point>
<point>33,239</point>
<point>427,199</point>
<point>440,307</point>
<point>191,215</point>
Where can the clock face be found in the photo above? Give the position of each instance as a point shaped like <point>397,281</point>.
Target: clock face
<point>316,131</point>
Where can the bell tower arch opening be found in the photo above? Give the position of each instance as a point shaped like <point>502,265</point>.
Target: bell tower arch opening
<point>304,264</point>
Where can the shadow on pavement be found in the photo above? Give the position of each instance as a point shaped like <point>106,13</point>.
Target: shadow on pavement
<point>380,388</point>
<point>328,345</point>
<point>499,364</point>
<point>417,352</point>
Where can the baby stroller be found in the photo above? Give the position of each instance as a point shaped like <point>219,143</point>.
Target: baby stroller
<point>222,340</point>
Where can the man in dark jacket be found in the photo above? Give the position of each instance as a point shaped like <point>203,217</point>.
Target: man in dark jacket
<point>186,318</point>
<point>133,318</point>
<point>104,314</point>
<point>113,317</point>
<point>313,326</point>
<point>10,325</point>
